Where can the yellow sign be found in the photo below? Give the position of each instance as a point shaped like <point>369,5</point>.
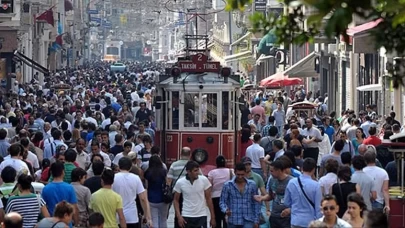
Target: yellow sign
<point>123,19</point>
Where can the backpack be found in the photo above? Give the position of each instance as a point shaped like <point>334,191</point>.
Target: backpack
<point>268,147</point>
<point>5,197</point>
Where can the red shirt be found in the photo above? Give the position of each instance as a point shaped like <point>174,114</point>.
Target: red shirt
<point>372,140</point>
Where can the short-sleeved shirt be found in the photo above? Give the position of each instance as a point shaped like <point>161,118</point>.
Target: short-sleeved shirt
<point>257,179</point>
<point>330,156</point>
<point>378,175</point>
<point>69,167</point>
<point>49,223</point>
<point>366,186</point>
<point>278,187</point>
<point>194,202</point>
<point>28,206</point>
<point>55,192</point>
<point>128,186</point>
<point>313,132</point>
<point>107,202</point>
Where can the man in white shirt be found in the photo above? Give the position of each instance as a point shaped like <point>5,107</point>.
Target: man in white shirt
<point>95,149</point>
<point>196,191</point>
<point>330,208</point>
<point>129,186</point>
<point>83,159</point>
<point>381,182</point>
<point>15,159</point>
<point>256,153</point>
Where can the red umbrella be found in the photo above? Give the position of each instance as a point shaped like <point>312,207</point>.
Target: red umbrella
<point>286,81</point>
<point>276,76</point>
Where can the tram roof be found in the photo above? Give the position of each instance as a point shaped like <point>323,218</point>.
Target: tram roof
<point>202,78</point>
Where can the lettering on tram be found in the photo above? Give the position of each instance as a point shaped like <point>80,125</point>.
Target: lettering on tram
<point>199,64</point>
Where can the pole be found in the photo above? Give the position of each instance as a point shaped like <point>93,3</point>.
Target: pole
<point>230,32</point>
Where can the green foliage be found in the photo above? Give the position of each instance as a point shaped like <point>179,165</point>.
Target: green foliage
<point>331,18</point>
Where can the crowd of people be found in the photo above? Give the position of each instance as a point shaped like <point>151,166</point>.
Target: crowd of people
<point>79,151</point>
<point>317,165</point>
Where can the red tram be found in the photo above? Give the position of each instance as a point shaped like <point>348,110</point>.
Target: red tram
<point>196,107</point>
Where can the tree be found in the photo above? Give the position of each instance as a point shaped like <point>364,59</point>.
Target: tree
<point>332,18</point>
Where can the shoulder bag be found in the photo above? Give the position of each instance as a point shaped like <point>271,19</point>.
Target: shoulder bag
<point>305,194</point>
<point>168,190</point>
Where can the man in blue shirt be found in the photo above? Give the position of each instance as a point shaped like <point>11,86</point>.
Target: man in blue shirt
<point>237,200</point>
<point>303,195</point>
<point>57,191</point>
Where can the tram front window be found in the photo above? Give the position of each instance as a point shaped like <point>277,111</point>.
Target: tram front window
<point>191,109</point>
<point>209,110</point>
<point>200,108</point>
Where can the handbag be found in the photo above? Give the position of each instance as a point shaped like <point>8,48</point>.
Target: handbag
<point>168,190</point>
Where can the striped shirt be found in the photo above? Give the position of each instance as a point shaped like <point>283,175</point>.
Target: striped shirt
<point>176,168</point>
<point>28,206</point>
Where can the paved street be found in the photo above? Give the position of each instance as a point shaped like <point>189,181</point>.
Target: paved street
<point>170,221</point>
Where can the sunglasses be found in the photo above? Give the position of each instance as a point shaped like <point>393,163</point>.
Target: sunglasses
<point>331,208</point>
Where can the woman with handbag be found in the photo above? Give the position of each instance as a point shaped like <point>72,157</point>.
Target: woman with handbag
<point>29,205</point>
<point>155,181</point>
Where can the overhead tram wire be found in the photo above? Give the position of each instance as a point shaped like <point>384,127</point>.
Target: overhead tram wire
<point>175,11</point>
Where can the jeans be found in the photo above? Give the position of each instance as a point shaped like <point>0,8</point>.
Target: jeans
<point>219,215</point>
<point>377,206</point>
<point>247,224</point>
<point>312,153</point>
<point>159,213</point>
<point>279,222</point>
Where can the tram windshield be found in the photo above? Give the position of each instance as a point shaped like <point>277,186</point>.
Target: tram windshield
<point>200,107</point>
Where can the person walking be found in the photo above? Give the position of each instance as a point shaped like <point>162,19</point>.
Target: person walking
<point>196,191</point>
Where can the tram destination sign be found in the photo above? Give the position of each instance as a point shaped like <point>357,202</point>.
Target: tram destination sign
<point>199,64</point>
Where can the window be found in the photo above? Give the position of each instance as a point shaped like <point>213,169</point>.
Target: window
<point>112,51</point>
<point>191,109</point>
<point>225,111</point>
<point>200,108</point>
<point>175,110</point>
<point>209,110</point>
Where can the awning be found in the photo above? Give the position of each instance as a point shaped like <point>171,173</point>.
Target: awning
<point>241,39</point>
<point>239,56</point>
<point>370,88</point>
<point>360,38</point>
<point>20,56</point>
<point>363,27</point>
<point>304,68</point>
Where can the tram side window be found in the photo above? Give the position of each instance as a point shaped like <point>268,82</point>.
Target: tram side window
<point>191,109</point>
<point>209,113</point>
<point>175,110</point>
<point>225,110</point>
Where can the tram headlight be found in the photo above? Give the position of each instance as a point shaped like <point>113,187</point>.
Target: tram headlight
<point>175,72</point>
<point>226,72</point>
<point>200,155</point>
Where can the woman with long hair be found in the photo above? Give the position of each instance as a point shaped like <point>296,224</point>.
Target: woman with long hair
<point>360,136</point>
<point>155,179</point>
<point>62,216</point>
<point>27,204</point>
<point>356,208</point>
<point>218,177</point>
<point>343,188</point>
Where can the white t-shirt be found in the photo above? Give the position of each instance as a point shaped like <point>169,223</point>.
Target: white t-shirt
<point>378,175</point>
<point>31,157</point>
<point>128,186</point>
<point>194,202</point>
<point>327,181</point>
<point>255,152</point>
<point>17,164</point>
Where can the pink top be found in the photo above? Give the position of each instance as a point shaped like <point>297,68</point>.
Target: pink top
<point>217,178</point>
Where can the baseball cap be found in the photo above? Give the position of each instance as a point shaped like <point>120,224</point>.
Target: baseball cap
<point>246,160</point>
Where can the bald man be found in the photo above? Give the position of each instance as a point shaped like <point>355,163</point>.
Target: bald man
<point>12,220</point>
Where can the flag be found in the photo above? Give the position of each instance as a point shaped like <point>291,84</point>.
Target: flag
<point>59,40</point>
<point>68,5</point>
<point>47,16</point>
